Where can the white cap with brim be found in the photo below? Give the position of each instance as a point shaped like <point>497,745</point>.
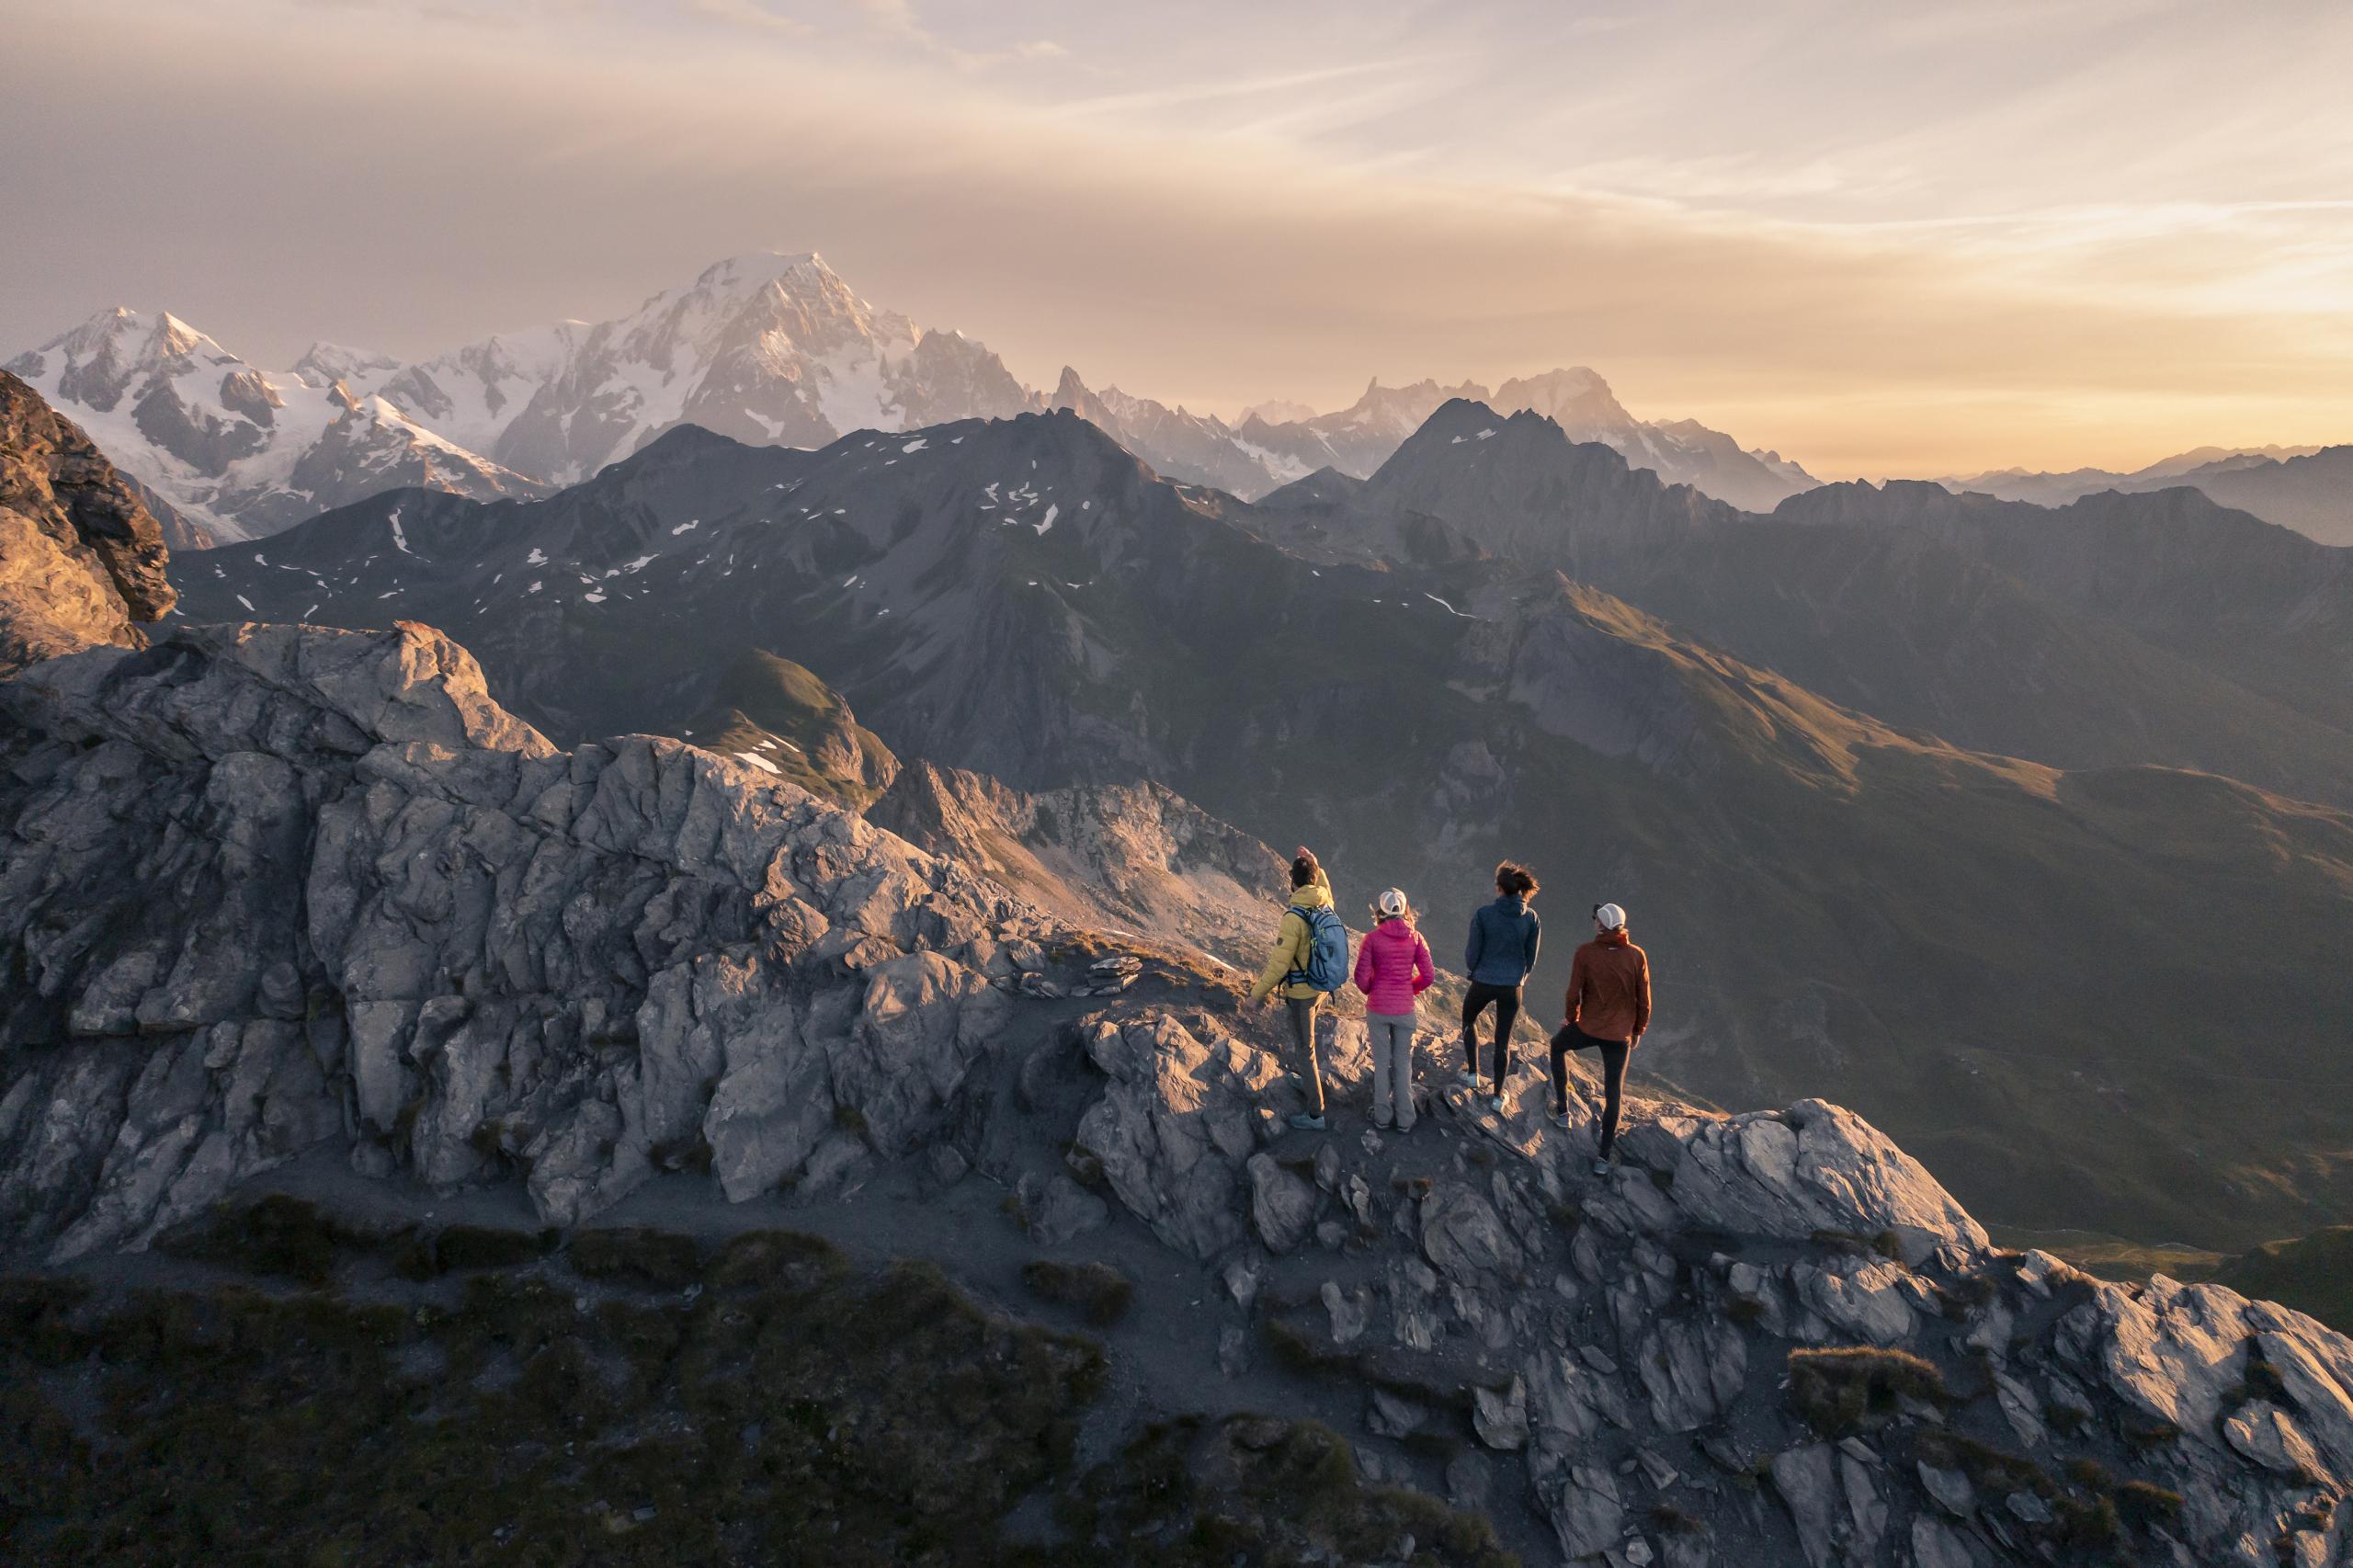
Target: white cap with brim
<point>1612,918</point>
<point>1392,902</point>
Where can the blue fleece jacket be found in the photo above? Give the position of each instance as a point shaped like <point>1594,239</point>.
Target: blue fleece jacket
<point>1505,936</point>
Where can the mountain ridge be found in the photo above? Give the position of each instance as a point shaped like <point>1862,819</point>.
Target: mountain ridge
<point>1025,599</point>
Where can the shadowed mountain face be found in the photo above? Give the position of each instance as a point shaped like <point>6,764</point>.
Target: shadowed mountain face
<point>2256,605</point>
<point>2309,489</point>
<point>2124,629</point>
<point>2016,968</point>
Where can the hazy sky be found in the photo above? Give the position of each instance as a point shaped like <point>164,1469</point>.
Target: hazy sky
<point>1882,237</point>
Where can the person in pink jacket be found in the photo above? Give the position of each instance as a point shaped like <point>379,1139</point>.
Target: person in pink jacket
<point>1393,970</point>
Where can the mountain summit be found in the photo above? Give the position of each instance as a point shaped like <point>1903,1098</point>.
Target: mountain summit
<point>764,348</point>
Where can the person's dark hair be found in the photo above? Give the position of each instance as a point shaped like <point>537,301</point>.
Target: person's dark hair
<point>1511,877</point>
<point>1302,871</point>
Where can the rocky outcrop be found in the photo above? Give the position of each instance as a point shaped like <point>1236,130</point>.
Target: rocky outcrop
<point>270,885</point>
<point>80,560</point>
<point>1642,1344</point>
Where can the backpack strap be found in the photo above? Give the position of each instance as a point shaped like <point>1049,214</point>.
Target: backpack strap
<point>1298,976</point>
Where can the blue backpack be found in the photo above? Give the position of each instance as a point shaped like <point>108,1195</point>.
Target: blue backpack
<point>1327,950</point>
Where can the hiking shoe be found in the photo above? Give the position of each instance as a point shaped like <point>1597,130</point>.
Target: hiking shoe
<point>1495,1104</point>
<point>1467,1080</point>
<point>1560,1120</point>
<point>1601,1167</point>
<point>1306,1123</point>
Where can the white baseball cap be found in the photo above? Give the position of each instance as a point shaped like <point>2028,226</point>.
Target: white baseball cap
<point>1612,918</point>
<point>1392,902</point>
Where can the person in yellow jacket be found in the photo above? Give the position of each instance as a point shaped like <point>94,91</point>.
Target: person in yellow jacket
<point>1310,889</point>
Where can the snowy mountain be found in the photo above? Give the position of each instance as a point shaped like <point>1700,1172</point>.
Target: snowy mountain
<point>233,452</point>
<point>1262,453</point>
<point>765,348</point>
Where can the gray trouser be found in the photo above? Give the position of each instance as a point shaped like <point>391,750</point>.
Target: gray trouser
<point>1392,1068</point>
<point>1302,1032</point>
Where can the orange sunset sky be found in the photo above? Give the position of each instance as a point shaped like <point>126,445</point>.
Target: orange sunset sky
<point>1882,239</point>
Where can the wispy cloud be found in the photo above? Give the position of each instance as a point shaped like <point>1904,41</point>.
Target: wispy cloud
<point>1878,239</point>
<point>749,14</point>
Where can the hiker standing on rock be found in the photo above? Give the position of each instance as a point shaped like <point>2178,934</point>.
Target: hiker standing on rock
<point>1309,960</point>
<point>1505,936</point>
<point>1393,969</point>
<point>1607,1008</point>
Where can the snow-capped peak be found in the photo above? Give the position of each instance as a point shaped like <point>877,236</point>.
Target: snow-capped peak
<point>325,362</point>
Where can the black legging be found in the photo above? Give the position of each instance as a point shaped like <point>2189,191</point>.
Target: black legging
<point>1474,1002</point>
<point>1613,1077</point>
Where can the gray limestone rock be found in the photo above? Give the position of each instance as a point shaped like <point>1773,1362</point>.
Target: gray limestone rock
<point>320,873</point>
<point>1589,1516</point>
<point>1282,1206</point>
<point>1500,1415</point>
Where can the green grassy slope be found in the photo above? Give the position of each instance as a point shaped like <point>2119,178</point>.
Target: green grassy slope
<point>2313,1274</point>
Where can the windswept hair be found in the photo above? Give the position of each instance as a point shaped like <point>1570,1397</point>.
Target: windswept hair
<point>1303,871</point>
<point>1511,877</point>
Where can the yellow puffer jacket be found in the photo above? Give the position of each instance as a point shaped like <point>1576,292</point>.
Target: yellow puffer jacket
<point>1292,947</point>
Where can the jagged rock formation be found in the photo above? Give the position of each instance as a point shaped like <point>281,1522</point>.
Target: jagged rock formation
<point>1644,1348</point>
<point>272,884</point>
<point>80,560</point>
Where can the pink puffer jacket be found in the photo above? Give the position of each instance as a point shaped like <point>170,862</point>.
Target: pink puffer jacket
<point>1393,968</point>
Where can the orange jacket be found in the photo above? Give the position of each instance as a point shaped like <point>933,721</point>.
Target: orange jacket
<point>1609,988</point>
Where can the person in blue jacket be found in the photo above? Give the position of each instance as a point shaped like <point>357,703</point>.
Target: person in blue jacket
<point>1505,936</point>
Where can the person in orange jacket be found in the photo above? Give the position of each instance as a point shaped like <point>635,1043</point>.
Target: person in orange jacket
<point>1607,1009</point>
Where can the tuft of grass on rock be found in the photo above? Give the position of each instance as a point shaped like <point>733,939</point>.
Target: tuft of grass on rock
<point>1096,1290</point>
<point>460,1249</point>
<point>633,1255</point>
<point>288,1237</point>
<point>1841,1391</point>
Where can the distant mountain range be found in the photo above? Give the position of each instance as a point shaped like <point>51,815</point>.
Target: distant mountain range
<point>1777,734</point>
<point>1250,459</point>
<point>2309,489</point>
<point>763,348</point>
